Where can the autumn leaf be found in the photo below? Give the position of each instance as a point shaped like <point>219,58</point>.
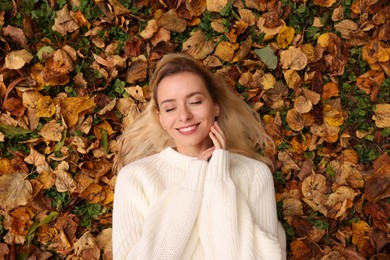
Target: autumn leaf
<point>15,60</point>
<point>64,23</point>
<point>198,46</point>
<point>382,115</point>
<point>293,58</point>
<point>71,107</point>
<point>285,37</point>
<point>15,190</point>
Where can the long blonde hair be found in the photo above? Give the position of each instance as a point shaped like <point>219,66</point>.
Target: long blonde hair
<point>241,124</point>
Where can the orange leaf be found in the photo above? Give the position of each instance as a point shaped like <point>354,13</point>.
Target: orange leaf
<point>225,50</point>
<point>329,90</point>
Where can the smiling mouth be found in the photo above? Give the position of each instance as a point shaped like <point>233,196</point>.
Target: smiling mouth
<point>187,130</point>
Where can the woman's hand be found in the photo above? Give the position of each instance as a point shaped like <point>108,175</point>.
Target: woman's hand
<point>218,139</point>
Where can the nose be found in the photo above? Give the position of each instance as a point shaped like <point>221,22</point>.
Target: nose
<point>185,114</point>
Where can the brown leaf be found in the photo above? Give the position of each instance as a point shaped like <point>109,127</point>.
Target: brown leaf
<point>172,22</point>
<point>63,22</point>
<point>21,221</point>
<point>6,166</point>
<point>382,115</point>
<point>137,71</point>
<point>302,105</point>
<point>150,29</point>
<point>378,185</point>
<point>52,131</point>
<point>15,190</point>
<point>360,238</point>
<point>17,35</point>
<point>196,7</point>
<point>14,106</point>
<point>198,46</point>
<point>162,35</point>
<point>215,5</point>
<point>347,174</point>
<point>293,58</point>
<point>292,207</point>
<point>370,80</point>
<point>292,78</point>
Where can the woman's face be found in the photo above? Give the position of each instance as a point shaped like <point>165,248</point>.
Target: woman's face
<point>186,112</point>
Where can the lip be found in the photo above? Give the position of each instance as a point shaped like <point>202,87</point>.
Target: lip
<point>187,130</point>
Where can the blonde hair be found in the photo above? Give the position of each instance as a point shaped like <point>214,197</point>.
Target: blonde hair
<point>241,125</point>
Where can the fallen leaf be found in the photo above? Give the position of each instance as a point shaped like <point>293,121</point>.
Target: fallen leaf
<point>14,106</point>
<point>347,174</point>
<point>137,71</point>
<point>15,190</point>
<point>52,131</point>
<point>15,60</point>
<point>285,37</point>
<point>172,22</point>
<point>63,22</point>
<point>329,90</point>
<point>198,46</point>
<point>225,50</point>
<point>293,58</point>
<point>45,107</point>
<point>71,107</point>
<point>302,105</point>
<point>292,78</point>
<point>360,238</point>
<point>324,3</point>
<point>382,115</point>
<point>16,34</point>
<point>215,5</point>
<point>267,55</point>
<point>150,29</point>
<point>378,185</point>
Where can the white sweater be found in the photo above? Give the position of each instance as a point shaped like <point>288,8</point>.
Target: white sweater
<point>172,206</point>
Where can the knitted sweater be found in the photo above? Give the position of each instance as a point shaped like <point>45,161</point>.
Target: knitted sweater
<point>172,206</point>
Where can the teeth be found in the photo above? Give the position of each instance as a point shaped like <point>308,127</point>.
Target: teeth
<point>187,129</point>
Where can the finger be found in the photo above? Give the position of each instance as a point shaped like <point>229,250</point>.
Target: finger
<point>219,137</point>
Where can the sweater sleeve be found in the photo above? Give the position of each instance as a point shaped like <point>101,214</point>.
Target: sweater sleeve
<point>161,230</point>
<point>234,226</point>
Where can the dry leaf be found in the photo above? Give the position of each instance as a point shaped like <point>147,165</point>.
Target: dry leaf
<point>198,46</point>
<point>324,3</point>
<point>52,131</point>
<point>15,60</point>
<point>293,58</point>
<point>150,29</point>
<point>225,50</point>
<point>215,5</point>
<point>15,190</point>
<point>64,23</point>
<point>382,115</point>
<point>172,22</point>
<point>16,34</point>
<point>329,90</point>
<point>71,107</point>
<point>302,105</point>
<point>285,37</point>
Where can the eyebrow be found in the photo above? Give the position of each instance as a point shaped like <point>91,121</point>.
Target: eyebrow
<point>187,96</point>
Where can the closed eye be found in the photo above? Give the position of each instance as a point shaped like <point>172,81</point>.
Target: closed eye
<point>169,109</point>
<point>196,102</point>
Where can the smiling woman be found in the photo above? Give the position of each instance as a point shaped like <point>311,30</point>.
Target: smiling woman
<point>192,183</point>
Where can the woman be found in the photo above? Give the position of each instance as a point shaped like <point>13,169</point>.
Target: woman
<point>192,183</point>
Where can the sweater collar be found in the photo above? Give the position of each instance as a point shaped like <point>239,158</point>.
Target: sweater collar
<point>173,157</point>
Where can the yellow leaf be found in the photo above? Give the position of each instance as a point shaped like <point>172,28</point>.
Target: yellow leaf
<point>382,115</point>
<point>333,117</point>
<point>225,50</point>
<point>285,37</point>
<point>323,40</point>
<point>268,81</point>
<point>71,107</point>
<point>45,107</point>
<point>6,166</point>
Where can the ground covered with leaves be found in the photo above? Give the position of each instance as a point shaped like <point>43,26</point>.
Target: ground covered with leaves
<point>75,73</point>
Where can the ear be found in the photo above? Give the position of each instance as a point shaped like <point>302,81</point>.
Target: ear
<point>158,115</point>
<point>217,110</point>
